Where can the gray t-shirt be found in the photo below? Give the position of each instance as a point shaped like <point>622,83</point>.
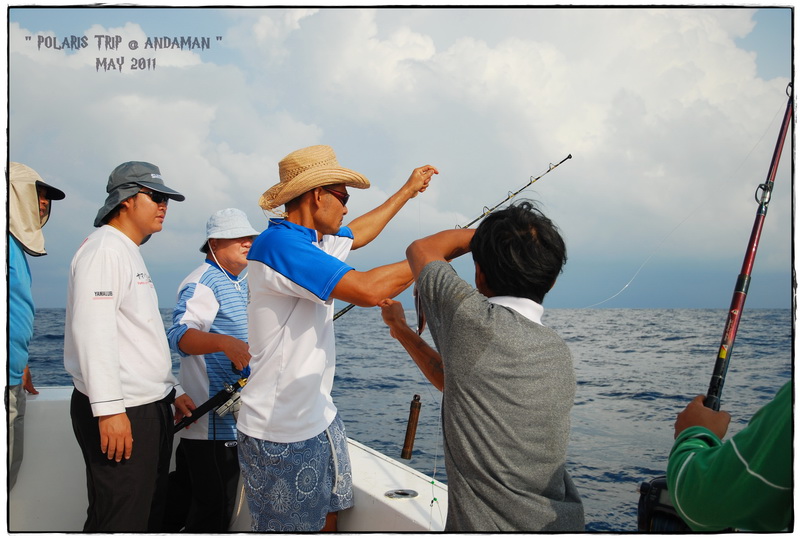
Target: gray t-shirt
<point>509,388</point>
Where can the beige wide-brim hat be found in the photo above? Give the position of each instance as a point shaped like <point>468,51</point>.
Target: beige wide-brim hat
<point>305,169</point>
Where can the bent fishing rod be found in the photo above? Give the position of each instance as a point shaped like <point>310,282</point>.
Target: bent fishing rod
<point>712,399</point>
<point>487,211</point>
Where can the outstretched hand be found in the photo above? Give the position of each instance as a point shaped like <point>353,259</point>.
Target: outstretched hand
<point>420,178</point>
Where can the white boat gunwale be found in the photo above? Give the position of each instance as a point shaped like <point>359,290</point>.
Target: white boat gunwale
<point>50,494</point>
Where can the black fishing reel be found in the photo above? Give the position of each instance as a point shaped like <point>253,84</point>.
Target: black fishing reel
<point>656,512</point>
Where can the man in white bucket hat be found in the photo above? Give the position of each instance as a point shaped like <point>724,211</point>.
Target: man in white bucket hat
<point>209,333</point>
<point>292,443</point>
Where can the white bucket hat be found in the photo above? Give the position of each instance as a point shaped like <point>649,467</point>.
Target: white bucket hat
<point>227,224</point>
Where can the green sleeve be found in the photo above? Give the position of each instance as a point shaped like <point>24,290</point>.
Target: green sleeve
<point>745,483</point>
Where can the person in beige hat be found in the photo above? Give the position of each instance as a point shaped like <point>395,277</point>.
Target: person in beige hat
<point>296,270</point>
<point>116,350</point>
<point>29,201</point>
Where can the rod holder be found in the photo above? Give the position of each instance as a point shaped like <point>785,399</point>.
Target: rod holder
<point>411,428</point>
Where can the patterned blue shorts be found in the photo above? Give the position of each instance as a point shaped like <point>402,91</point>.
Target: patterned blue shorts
<point>292,487</point>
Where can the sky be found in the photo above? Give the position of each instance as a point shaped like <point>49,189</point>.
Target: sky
<point>671,116</point>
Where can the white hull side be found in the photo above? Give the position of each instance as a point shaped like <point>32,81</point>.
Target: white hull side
<point>50,494</point>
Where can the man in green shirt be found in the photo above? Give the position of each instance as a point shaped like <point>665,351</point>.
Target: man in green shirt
<point>744,483</point>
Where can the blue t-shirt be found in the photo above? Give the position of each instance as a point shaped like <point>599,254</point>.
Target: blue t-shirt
<point>20,311</point>
<point>291,250</point>
<point>213,301</point>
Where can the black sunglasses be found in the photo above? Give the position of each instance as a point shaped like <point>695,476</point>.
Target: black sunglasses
<point>343,197</point>
<point>158,198</point>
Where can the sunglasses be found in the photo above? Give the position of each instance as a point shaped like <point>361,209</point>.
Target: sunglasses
<point>158,198</point>
<point>343,197</point>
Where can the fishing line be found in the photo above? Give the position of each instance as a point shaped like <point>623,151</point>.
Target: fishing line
<point>701,204</point>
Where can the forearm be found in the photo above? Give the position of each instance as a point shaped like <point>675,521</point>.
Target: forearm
<point>427,359</point>
<point>700,474</point>
<point>367,288</point>
<point>95,355</point>
<point>446,245</point>
<point>743,483</point>
<point>367,227</point>
<point>195,342</point>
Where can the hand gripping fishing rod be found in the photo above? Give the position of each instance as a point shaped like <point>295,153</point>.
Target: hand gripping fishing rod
<point>486,211</point>
<point>228,394</point>
<point>712,399</point>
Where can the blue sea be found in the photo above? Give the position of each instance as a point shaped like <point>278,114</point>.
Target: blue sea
<point>636,369</point>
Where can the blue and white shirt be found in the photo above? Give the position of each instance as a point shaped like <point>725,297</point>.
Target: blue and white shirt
<point>213,301</point>
<point>290,316</point>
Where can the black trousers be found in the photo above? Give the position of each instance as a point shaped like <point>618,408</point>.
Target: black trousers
<point>126,496</point>
<point>207,474</point>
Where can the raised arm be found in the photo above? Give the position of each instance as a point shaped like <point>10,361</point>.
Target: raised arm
<point>427,359</point>
<point>445,245</point>
<point>367,227</point>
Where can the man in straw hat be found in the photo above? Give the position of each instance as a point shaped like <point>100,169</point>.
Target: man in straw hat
<point>209,333</point>
<point>116,350</point>
<point>29,200</point>
<point>292,443</point>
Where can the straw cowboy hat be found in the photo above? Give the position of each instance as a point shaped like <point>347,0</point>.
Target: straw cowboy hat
<point>305,169</point>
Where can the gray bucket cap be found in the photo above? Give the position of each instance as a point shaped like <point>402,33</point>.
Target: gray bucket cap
<point>127,180</point>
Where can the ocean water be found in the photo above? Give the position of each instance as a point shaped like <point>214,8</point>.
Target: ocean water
<point>636,369</point>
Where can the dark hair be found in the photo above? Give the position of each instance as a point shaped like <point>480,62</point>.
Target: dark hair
<point>113,213</point>
<point>519,251</point>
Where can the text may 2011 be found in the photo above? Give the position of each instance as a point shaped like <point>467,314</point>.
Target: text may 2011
<point>119,64</point>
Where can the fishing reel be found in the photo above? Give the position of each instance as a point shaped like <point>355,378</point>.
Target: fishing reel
<point>234,402</point>
<point>656,512</point>
<point>231,405</point>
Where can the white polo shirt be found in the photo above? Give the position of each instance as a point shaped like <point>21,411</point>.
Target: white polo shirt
<point>290,326</point>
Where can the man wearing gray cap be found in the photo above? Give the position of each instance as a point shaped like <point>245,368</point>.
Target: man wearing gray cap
<point>209,332</point>
<point>116,350</point>
<point>28,210</point>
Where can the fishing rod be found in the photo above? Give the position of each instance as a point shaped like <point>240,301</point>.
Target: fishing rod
<point>712,399</point>
<point>655,512</point>
<point>224,400</point>
<point>486,211</point>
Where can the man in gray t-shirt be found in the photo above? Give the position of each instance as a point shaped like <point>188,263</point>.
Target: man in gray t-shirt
<point>508,382</point>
